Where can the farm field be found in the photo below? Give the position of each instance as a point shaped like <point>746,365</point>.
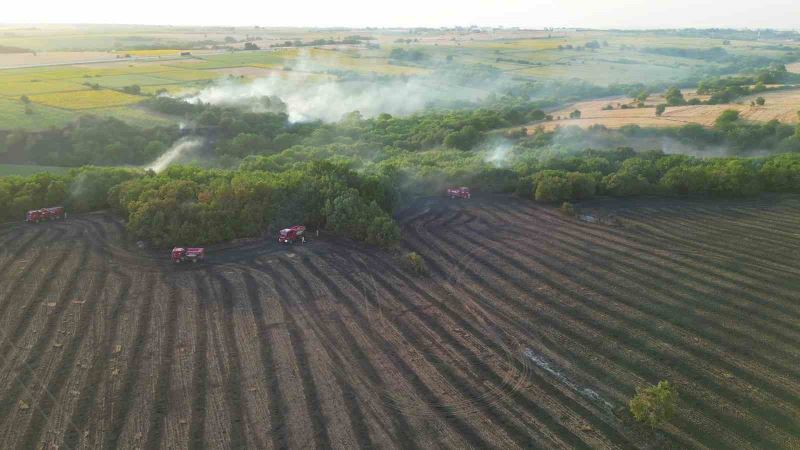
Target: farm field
<point>781,105</point>
<point>530,330</point>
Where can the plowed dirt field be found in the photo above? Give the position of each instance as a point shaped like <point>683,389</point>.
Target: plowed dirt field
<point>529,330</point>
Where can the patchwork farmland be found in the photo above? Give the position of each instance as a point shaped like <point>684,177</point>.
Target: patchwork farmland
<point>529,330</point>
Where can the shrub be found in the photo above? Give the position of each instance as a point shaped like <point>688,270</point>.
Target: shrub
<point>727,117</point>
<point>674,97</point>
<point>416,263</point>
<point>654,405</point>
<point>568,209</point>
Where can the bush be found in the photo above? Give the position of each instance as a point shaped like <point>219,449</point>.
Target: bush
<point>654,405</point>
<point>416,263</point>
<point>726,118</point>
<point>568,209</point>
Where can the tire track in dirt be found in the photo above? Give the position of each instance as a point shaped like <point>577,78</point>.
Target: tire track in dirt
<point>774,217</point>
<point>716,302</point>
<point>443,306</point>
<point>402,430</point>
<point>15,254</point>
<point>312,399</point>
<point>197,425</point>
<point>408,373</point>
<point>648,232</point>
<point>97,370</point>
<point>692,295</point>
<point>30,362</point>
<point>609,353</point>
<point>700,229</point>
<point>517,434</point>
<point>62,374</point>
<point>233,385</point>
<point>649,239</point>
<point>29,270</point>
<point>726,222</point>
<point>277,401</point>
<point>706,302</point>
<point>720,360</point>
<point>632,323</point>
<point>125,395</point>
<point>161,399</point>
<point>706,267</point>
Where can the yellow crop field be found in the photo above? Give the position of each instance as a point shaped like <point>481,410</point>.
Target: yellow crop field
<point>85,99</point>
<point>17,88</point>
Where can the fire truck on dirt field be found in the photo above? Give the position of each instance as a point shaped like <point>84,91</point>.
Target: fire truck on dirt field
<point>462,192</point>
<point>180,254</point>
<point>292,234</point>
<point>41,215</point>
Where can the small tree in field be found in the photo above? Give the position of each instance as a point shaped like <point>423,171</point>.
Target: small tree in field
<point>654,405</point>
<point>660,109</point>
<point>415,262</point>
<point>760,101</point>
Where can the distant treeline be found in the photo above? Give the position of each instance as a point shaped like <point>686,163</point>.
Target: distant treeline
<point>88,141</point>
<point>625,173</point>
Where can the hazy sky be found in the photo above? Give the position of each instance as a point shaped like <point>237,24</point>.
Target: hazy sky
<point>522,13</point>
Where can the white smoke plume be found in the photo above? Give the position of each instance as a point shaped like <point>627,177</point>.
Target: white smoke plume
<point>330,100</point>
<point>182,148</point>
<point>499,155</point>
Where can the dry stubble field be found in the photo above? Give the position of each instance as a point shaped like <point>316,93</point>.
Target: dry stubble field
<point>782,105</point>
<point>530,330</point>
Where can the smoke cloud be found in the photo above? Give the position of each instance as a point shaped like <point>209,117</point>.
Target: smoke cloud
<point>499,155</point>
<point>181,149</point>
<point>305,95</point>
<point>573,139</point>
<point>330,100</point>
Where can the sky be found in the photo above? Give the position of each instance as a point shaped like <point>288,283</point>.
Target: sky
<point>629,14</point>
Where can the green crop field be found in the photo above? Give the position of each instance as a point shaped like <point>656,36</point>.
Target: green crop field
<point>13,116</point>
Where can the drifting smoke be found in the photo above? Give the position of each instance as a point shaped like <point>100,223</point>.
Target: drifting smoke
<point>330,100</point>
<point>182,148</point>
<point>305,96</point>
<point>573,139</point>
<point>499,155</point>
